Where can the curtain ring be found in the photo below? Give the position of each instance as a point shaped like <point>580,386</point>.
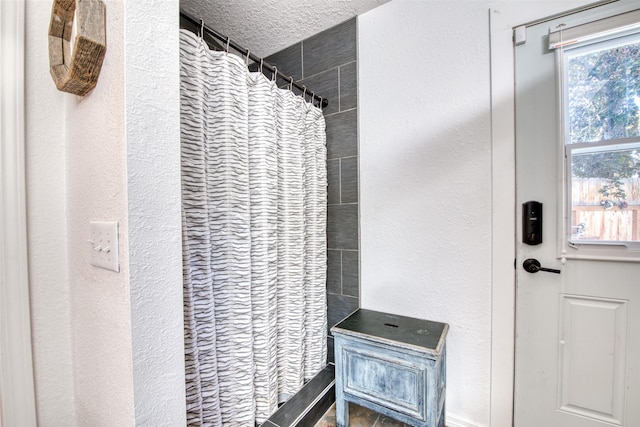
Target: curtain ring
<point>290,83</point>
<point>320,104</point>
<point>227,48</point>
<point>274,74</point>
<point>201,29</point>
<point>304,93</point>
<point>261,62</point>
<point>247,60</point>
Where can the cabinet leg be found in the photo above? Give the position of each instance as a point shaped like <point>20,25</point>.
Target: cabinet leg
<point>342,413</point>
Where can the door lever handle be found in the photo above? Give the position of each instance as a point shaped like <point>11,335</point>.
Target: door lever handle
<point>532,265</point>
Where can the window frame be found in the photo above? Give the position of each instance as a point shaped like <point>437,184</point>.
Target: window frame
<point>569,248</point>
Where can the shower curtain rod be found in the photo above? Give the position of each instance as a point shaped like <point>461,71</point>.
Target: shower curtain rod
<point>213,33</point>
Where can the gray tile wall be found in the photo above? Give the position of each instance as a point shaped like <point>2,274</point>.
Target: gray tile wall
<point>327,64</point>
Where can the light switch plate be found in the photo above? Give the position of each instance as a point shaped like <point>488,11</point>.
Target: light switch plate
<point>104,245</point>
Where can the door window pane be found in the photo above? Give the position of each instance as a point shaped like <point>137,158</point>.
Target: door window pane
<point>602,139</point>
<point>605,195</point>
<point>603,91</point>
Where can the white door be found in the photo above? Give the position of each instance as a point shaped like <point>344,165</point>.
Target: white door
<point>577,331</point>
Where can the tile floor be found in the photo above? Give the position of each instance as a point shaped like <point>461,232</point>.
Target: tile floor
<point>359,417</point>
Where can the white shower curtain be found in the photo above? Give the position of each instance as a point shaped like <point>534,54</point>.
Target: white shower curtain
<point>254,238</point>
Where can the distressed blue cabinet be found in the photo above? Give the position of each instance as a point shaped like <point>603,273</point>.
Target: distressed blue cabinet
<point>391,364</point>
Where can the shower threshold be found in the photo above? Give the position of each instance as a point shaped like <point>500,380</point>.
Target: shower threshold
<point>307,406</point>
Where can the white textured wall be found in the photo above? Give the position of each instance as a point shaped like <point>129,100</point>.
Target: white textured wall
<point>47,226</point>
<point>97,190</point>
<point>108,346</point>
<point>153,179</point>
<point>425,180</point>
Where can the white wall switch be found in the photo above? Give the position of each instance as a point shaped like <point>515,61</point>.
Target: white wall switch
<point>104,245</point>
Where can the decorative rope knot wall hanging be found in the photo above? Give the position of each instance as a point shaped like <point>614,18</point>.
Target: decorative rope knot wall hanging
<point>77,72</point>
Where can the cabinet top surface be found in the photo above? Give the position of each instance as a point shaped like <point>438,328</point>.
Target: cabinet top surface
<point>420,334</point>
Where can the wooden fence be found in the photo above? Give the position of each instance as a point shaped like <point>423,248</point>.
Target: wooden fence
<point>592,221</point>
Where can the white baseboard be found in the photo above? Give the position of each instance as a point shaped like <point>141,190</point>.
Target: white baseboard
<point>453,421</point>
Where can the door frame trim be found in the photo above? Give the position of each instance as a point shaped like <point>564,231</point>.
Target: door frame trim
<point>502,220</point>
<point>16,382</point>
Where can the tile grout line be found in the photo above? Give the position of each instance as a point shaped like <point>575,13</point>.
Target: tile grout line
<point>340,112</point>
<point>340,179</point>
<point>345,157</point>
<point>322,72</point>
<point>302,59</point>
<point>339,96</point>
<point>341,280</point>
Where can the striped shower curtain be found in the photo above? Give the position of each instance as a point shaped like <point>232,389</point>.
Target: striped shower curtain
<point>254,238</point>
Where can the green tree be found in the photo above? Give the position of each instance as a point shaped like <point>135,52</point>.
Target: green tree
<point>604,87</point>
<point>613,166</point>
<point>603,100</point>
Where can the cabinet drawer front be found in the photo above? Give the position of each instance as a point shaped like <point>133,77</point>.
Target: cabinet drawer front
<point>385,380</point>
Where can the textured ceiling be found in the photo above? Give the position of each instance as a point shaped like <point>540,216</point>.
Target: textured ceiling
<point>267,26</point>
